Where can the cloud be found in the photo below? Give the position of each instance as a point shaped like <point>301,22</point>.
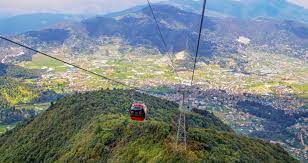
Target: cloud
<point>303,3</point>
<point>67,6</point>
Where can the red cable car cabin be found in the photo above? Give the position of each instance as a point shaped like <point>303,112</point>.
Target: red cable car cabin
<point>138,112</point>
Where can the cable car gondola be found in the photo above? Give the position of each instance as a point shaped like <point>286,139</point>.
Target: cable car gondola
<point>138,112</point>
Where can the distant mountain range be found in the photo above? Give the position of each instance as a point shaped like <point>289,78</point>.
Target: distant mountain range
<point>247,9</point>
<point>137,28</point>
<point>243,9</point>
<point>24,23</point>
<point>180,25</point>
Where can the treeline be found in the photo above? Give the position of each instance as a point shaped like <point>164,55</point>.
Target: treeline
<point>12,86</point>
<point>12,115</point>
<point>270,113</point>
<point>3,103</point>
<point>15,91</point>
<point>17,72</point>
<point>19,92</point>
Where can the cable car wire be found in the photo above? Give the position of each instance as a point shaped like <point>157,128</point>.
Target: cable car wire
<point>157,25</point>
<point>181,119</point>
<point>78,67</point>
<point>198,44</point>
<point>163,39</point>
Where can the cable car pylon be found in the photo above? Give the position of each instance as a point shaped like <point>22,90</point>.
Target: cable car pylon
<point>181,139</point>
<point>181,136</point>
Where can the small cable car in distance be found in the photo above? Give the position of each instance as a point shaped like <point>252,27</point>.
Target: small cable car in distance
<point>138,112</point>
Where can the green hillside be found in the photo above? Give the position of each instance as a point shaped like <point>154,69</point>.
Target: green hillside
<point>14,87</point>
<point>95,127</point>
<point>9,70</point>
<point>20,96</point>
<point>14,91</point>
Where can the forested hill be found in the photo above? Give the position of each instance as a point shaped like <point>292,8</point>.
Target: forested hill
<point>18,86</point>
<point>95,127</point>
<point>12,90</point>
<point>13,71</point>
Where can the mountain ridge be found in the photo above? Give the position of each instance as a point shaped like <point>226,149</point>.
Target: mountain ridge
<point>277,9</point>
<point>30,22</point>
<point>136,28</point>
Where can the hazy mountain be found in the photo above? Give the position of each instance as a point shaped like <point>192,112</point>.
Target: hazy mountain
<point>127,11</point>
<point>247,9</point>
<point>95,127</point>
<point>23,23</point>
<point>220,37</point>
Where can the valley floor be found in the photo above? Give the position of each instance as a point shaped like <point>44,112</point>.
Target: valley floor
<point>275,80</point>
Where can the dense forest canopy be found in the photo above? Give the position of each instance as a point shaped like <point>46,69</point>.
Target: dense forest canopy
<point>95,126</point>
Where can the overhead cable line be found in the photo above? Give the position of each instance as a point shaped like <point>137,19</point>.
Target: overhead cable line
<point>78,67</point>
<point>181,129</point>
<point>198,44</point>
<point>163,39</point>
<point>157,25</point>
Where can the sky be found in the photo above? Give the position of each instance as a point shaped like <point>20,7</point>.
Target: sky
<point>303,3</point>
<point>15,7</point>
<point>67,6</point>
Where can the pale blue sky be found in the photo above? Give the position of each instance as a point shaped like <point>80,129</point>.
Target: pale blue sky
<point>67,6</point>
<point>79,6</point>
<point>303,3</point>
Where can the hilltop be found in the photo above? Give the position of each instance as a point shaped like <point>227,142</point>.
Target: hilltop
<point>94,126</point>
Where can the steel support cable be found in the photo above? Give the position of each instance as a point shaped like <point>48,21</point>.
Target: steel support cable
<point>78,67</point>
<point>198,44</point>
<point>163,40</point>
<point>157,25</point>
<point>181,127</point>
